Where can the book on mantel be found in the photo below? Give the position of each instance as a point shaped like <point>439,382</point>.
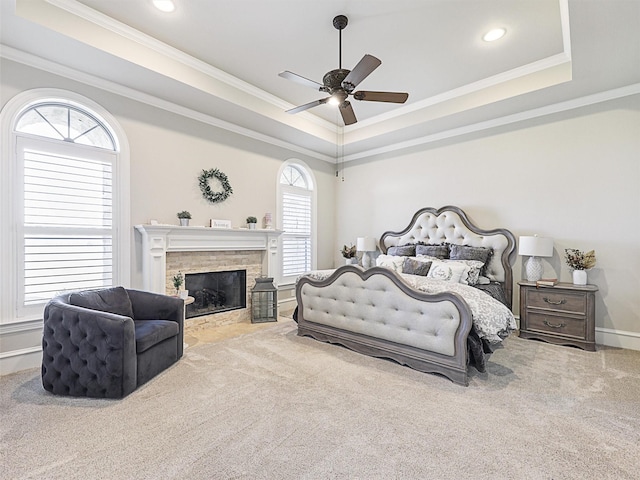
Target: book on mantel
<point>546,282</point>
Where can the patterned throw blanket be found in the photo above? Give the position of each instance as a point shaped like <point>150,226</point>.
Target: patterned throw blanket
<point>493,320</point>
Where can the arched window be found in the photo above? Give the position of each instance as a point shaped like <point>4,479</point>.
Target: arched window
<point>297,220</point>
<point>62,121</point>
<point>70,183</point>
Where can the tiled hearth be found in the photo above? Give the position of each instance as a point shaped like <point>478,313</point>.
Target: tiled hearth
<point>167,250</point>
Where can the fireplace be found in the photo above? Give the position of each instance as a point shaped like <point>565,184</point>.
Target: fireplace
<point>167,250</point>
<point>216,292</point>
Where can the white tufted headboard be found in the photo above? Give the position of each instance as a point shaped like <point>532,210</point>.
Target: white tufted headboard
<point>451,225</point>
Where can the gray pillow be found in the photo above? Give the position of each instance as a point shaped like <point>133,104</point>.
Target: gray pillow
<point>402,251</point>
<point>465,252</point>
<point>113,300</point>
<point>437,251</point>
<point>415,267</point>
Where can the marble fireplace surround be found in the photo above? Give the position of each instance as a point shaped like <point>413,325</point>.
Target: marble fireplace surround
<point>212,249</point>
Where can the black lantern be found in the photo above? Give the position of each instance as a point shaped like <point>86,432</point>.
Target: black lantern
<point>264,301</point>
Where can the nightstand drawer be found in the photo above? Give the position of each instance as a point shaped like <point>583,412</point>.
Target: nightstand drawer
<point>562,301</point>
<point>573,327</point>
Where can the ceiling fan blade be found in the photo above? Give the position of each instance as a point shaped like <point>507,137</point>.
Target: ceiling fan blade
<point>309,105</point>
<point>348,116</point>
<point>393,97</point>
<point>299,79</point>
<point>365,66</point>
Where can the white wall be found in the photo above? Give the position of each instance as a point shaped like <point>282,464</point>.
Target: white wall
<point>167,153</point>
<point>573,176</point>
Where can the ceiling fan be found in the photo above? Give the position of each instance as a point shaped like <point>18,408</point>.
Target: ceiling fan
<point>341,83</point>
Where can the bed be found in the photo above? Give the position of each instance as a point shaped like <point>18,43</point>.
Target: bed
<point>436,318</point>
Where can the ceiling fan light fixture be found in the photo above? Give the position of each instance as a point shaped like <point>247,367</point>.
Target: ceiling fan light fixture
<point>494,34</point>
<point>166,6</point>
<point>340,83</point>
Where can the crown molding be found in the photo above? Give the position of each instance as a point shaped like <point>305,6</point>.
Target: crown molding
<point>86,13</point>
<point>112,87</point>
<point>34,61</point>
<point>502,121</point>
<point>472,88</point>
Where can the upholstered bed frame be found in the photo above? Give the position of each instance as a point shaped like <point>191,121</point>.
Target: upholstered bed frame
<point>375,312</point>
<point>451,225</point>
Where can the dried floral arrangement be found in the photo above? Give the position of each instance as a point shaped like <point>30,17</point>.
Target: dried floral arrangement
<point>349,252</point>
<point>578,260</point>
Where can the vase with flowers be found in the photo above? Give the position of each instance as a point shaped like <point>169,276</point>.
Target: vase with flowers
<point>579,262</point>
<point>349,253</point>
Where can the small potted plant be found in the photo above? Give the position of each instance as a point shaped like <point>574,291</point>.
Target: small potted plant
<point>178,280</point>
<point>349,253</point>
<point>251,222</point>
<point>184,217</point>
<point>579,262</point>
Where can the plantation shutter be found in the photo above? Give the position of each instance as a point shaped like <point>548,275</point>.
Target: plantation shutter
<point>67,228</point>
<point>296,237</point>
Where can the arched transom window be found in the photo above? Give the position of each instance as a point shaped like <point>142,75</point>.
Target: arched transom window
<point>65,122</point>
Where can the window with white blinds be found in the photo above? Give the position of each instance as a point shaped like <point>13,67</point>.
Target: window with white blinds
<point>68,234</point>
<point>296,197</point>
<point>296,239</point>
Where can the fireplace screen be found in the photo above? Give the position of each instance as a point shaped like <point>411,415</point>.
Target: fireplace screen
<point>216,292</point>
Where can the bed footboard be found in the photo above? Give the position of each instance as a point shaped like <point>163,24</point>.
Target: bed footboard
<point>376,313</point>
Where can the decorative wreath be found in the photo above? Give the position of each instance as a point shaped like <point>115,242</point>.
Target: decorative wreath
<point>214,197</point>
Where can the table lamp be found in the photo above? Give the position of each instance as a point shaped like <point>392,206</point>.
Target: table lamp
<point>535,247</point>
<point>366,245</point>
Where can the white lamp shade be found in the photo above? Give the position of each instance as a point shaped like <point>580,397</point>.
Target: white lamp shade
<point>536,246</point>
<point>366,244</point>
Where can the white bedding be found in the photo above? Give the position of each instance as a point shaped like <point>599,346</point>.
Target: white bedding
<point>492,320</point>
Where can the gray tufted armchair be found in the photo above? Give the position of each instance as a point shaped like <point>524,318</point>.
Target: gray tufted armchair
<point>106,343</point>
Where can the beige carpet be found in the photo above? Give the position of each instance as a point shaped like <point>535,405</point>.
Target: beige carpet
<point>272,405</point>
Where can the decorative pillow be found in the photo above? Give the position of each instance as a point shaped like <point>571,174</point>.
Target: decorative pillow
<point>448,271</point>
<point>403,251</point>
<point>414,266</point>
<point>471,273</point>
<point>113,300</point>
<point>437,251</point>
<point>391,262</point>
<point>475,268</point>
<point>465,252</point>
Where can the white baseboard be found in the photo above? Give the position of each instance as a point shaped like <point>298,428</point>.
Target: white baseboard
<point>286,305</point>
<point>17,360</point>
<point>618,338</point>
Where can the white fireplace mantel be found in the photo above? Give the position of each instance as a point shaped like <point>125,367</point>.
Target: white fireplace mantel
<point>157,240</point>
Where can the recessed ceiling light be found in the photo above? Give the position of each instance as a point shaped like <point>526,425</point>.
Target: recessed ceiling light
<point>164,5</point>
<point>494,34</point>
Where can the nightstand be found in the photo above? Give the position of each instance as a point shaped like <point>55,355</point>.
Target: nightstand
<point>563,314</point>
